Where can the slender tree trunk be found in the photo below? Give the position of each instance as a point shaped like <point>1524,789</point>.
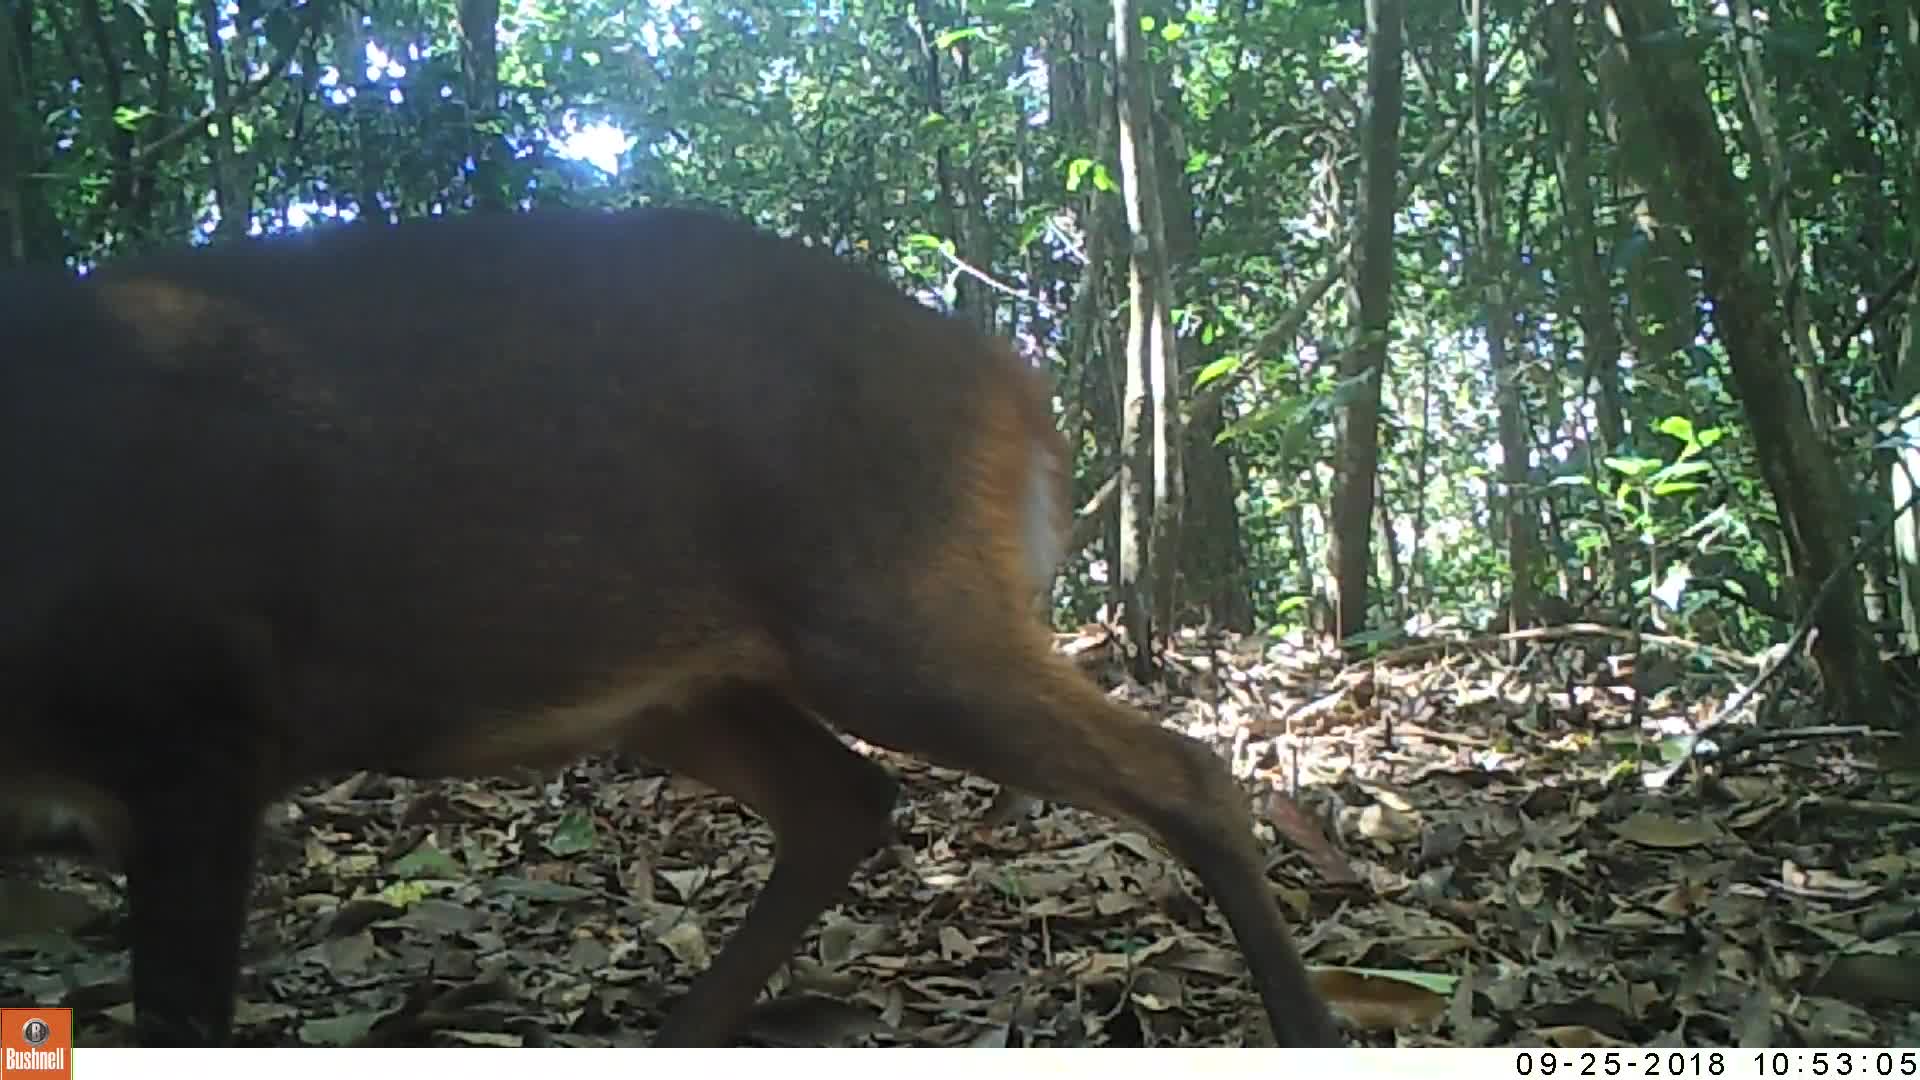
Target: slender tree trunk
<point>1150,428</point>
<point>951,215</point>
<point>975,242</point>
<point>13,167</point>
<point>1357,423</point>
<point>120,142</point>
<point>1783,243</point>
<point>1084,109</point>
<point>1904,480</point>
<point>480,62</point>
<point>1574,168</point>
<point>1518,517</point>
<point>1904,28</point>
<point>148,183</point>
<point>31,232</point>
<point>1591,293</point>
<point>350,45</point>
<point>1387,555</point>
<point>1213,555</point>
<point>1317,613</point>
<point>1420,587</point>
<point>231,191</point>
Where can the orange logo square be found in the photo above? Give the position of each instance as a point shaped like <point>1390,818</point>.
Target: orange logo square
<point>36,1044</point>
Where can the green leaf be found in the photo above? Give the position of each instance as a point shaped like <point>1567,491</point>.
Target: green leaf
<point>573,835</point>
<point>1218,369</point>
<point>402,894</point>
<point>1077,170</point>
<point>1632,466</point>
<point>949,38</point>
<point>128,118</point>
<point>1035,225</point>
<point>1681,469</point>
<point>1674,487</point>
<point>1173,31</point>
<point>1674,748</point>
<point>1677,426</point>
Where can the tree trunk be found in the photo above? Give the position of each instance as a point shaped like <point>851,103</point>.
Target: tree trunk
<point>13,168</point>
<point>975,244</point>
<point>121,174</point>
<point>1590,283</point>
<point>1518,518</point>
<point>1783,244</point>
<point>1357,423</point>
<point>480,62</point>
<point>231,192</point>
<point>1213,550</point>
<point>1905,478</point>
<point>1150,429</point>
<point>1213,554</point>
<point>164,16</point>
<point>350,56</point>
<point>1904,29</point>
<point>33,232</point>
<point>1420,583</point>
<point>950,215</point>
<point>1085,117</point>
<point>1390,568</point>
<point>1575,169</point>
<point>1695,185</point>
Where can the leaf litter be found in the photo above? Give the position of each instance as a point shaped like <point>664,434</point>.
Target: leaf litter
<point>1472,850</point>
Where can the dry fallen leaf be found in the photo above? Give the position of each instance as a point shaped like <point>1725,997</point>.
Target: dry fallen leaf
<point>1575,1037</point>
<point>1663,831</point>
<point>955,946</point>
<point>1386,825</point>
<point>688,945</point>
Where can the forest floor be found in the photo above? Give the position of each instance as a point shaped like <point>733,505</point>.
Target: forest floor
<point>1476,844</point>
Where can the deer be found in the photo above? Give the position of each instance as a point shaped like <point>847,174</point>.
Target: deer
<point>456,497</point>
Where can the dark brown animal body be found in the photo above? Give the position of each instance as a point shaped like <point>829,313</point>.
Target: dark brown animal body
<point>454,497</point>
